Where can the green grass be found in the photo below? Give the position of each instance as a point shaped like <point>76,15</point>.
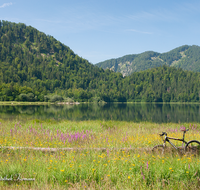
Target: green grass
<point>23,103</point>
<point>92,169</point>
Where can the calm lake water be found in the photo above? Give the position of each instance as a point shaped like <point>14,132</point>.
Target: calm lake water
<point>158,113</point>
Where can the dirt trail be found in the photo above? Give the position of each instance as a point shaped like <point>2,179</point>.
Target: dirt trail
<point>75,149</point>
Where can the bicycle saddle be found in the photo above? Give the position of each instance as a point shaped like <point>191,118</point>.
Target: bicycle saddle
<point>184,129</point>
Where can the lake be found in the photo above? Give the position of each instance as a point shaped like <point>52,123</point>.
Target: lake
<point>158,113</point>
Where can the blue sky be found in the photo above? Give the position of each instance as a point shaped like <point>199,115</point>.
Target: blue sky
<point>98,30</point>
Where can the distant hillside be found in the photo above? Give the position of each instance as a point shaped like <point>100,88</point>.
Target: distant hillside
<point>185,57</point>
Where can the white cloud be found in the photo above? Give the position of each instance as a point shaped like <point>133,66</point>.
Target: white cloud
<point>5,5</point>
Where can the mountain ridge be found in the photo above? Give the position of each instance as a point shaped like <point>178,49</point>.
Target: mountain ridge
<point>185,57</point>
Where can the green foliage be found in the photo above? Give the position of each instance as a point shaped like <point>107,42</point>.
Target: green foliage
<point>56,98</point>
<point>185,57</point>
<point>46,98</point>
<point>34,65</point>
<point>23,97</point>
<point>163,84</point>
<point>69,100</point>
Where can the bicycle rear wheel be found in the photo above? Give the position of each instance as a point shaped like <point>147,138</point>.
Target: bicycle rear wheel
<point>193,147</point>
<point>158,149</point>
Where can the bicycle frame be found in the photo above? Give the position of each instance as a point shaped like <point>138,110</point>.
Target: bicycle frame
<point>172,138</point>
<point>167,140</point>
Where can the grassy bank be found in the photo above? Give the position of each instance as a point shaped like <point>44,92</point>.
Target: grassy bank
<point>23,103</point>
<point>35,103</point>
<point>92,169</point>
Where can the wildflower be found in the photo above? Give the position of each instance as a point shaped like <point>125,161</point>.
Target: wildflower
<point>142,174</point>
<point>129,177</point>
<point>187,172</point>
<point>62,170</point>
<point>107,152</point>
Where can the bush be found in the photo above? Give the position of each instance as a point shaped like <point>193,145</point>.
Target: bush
<point>23,97</point>
<point>56,98</point>
<point>30,97</point>
<point>46,98</point>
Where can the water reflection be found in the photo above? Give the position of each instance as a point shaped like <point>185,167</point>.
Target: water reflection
<point>159,113</point>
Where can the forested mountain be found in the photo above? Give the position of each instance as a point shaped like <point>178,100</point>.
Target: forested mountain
<point>185,57</point>
<point>42,65</point>
<point>37,67</point>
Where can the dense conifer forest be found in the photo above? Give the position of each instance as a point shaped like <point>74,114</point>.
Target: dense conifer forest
<point>37,67</point>
<point>185,57</point>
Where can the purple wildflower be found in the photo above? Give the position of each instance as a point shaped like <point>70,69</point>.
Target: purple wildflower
<point>107,152</point>
<point>142,174</point>
<point>11,132</point>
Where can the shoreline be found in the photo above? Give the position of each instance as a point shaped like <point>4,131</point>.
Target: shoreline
<point>77,103</point>
<point>13,103</point>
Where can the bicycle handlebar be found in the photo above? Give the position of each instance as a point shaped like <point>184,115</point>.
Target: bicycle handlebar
<point>163,133</point>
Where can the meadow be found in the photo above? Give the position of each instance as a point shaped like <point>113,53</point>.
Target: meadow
<point>105,155</point>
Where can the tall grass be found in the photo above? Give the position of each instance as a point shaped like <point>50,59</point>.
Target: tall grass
<point>87,168</point>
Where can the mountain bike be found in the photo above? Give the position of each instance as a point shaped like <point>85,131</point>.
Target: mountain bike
<point>192,146</point>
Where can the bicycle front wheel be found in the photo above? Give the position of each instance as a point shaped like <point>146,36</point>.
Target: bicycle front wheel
<point>192,147</point>
<point>159,149</point>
